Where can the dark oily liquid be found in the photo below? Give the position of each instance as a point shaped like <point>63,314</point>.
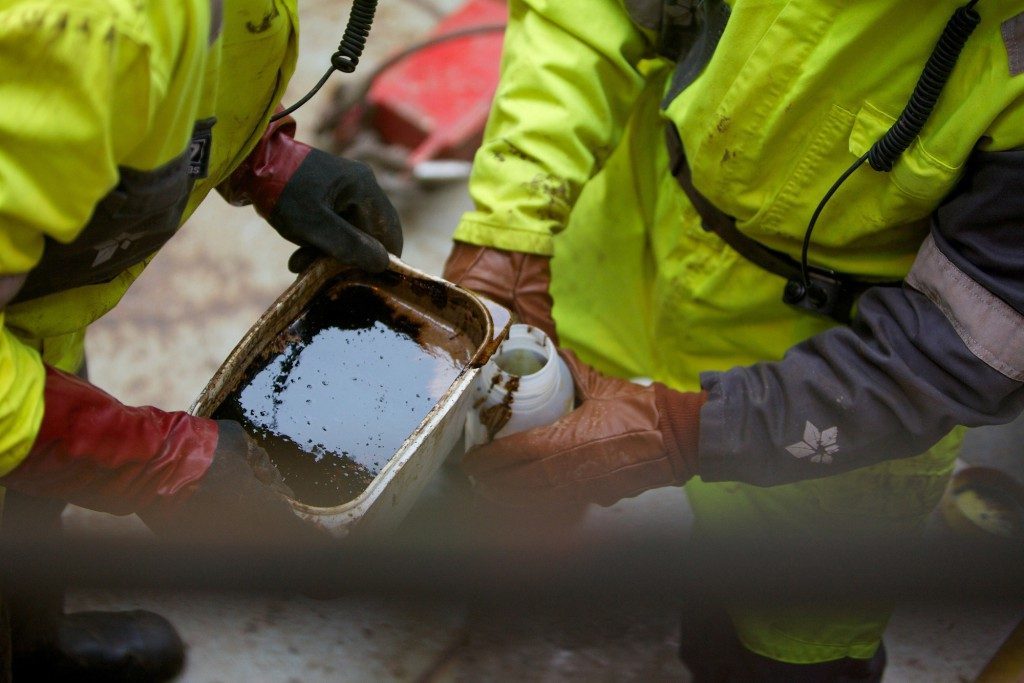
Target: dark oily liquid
<point>349,383</point>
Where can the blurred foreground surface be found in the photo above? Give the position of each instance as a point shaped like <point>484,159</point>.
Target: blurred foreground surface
<point>174,328</point>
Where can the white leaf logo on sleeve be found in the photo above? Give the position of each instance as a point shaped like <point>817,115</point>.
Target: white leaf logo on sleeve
<point>818,444</point>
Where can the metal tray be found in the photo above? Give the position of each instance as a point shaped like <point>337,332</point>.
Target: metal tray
<point>456,316</point>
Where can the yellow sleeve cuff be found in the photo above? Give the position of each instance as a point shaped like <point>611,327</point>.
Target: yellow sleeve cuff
<point>490,234</point>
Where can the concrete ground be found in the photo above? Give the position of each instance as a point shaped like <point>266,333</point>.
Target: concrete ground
<point>160,346</point>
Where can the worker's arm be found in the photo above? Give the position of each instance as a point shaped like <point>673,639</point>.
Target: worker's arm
<point>569,78</point>
<point>185,476</point>
<point>947,349</point>
<point>321,202</point>
<point>82,89</point>
<point>888,387</point>
<point>71,108</point>
<point>568,85</point>
<point>621,440</point>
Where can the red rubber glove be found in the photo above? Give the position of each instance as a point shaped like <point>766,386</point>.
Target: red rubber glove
<point>621,440</point>
<point>321,202</point>
<point>183,475</point>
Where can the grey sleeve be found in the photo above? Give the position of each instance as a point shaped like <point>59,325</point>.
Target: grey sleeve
<point>945,349</point>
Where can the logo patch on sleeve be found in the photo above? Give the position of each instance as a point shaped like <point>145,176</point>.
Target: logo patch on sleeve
<point>199,154</point>
<point>1013,39</point>
<point>819,444</point>
<point>199,149</point>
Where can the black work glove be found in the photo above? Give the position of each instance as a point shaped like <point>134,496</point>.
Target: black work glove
<point>334,206</point>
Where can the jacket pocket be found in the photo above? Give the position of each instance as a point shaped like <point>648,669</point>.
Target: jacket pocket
<point>917,182</point>
<point>874,223</point>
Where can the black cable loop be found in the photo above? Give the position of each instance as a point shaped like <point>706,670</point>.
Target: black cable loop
<point>814,219</point>
<point>350,49</point>
<point>883,154</point>
<point>305,98</point>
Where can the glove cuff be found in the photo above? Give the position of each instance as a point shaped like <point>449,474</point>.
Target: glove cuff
<point>261,178</point>
<point>96,452</point>
<point>680,427</point>
<point>517,280</point>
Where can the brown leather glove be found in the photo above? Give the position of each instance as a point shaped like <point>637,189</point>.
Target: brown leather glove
<point>621,440</point>
<point>513,279</point>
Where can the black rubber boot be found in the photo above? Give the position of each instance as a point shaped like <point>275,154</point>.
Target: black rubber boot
<point>105,646</point>
<point>46,644</point>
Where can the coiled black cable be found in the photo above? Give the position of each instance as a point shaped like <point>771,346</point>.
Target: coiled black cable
<point>350,49</point>
<point>884,153</point>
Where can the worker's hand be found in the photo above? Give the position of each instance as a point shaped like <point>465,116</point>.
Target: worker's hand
<point>334,206</point>
<point>241,497</point>
<point>184,475</point>
<point>325,204</point>
<point>516,280</point>
<point>620,441</point>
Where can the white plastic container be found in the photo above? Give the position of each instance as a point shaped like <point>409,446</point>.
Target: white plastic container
<point>524,385</point>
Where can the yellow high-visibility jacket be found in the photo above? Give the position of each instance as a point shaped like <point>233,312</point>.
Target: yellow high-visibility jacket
<point>574,164</point>
<point>105,104</point>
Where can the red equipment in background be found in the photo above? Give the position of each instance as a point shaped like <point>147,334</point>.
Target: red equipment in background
<point>432,99</point>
